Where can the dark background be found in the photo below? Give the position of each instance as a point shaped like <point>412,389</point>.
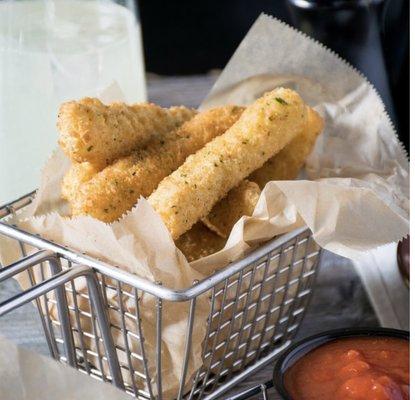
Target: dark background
<point>192,37</point>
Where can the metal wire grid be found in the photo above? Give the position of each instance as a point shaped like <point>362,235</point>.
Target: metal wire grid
<point>255,310</point>
<point>92,320</point>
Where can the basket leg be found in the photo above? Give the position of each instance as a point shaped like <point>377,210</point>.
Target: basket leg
<point>104,326</point>
<point>64,318</point>
<point>159,325</point>
<point>188,339</point>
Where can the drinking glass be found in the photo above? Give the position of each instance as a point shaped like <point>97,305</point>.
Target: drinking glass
<point>52,51</point>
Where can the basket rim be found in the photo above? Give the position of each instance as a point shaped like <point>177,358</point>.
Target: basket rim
<point>154,288</point>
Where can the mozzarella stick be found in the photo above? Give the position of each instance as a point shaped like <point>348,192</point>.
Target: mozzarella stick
<point>114,190</point>
<point>199,242</point>
<point>98,133</point>
<point>240,201</point>
<point>263,129</point>
<point>285,165</point>
<point>77,175</point>
<point>288,162</point>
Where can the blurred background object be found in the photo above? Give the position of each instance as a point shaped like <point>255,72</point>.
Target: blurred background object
<point>53,51</point>
<point>404,258</point>
<point>395,41</point>
<point>188,37</point>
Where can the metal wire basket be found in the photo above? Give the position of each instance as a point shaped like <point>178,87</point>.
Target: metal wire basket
<point>256,307</point>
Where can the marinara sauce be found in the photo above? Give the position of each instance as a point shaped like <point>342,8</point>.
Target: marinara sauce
<point>357,368</point>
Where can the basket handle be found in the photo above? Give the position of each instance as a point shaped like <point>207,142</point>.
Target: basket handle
<point>57,282</point>
<point>40,289</point>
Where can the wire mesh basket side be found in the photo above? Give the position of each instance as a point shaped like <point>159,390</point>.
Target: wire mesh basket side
<point>89,349</point>
<point>255,311</point>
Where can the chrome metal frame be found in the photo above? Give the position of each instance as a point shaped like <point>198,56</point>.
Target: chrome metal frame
<point>256,307</point>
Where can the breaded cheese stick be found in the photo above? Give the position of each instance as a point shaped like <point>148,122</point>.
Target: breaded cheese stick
<point>285,165</point>
<point>199,242</point>
<point>240,201</point>
<point>288,162</point>
<point>98,133</point>
<point>114,190</point>
<point>77,175</point>
<point>263,129</point>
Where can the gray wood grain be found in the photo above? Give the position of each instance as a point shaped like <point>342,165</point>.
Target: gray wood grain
<point>339,298</point>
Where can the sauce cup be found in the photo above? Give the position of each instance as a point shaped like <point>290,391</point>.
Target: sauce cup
<point>303,347</point>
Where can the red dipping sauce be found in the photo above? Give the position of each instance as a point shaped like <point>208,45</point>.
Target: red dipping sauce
<point>356,368</point>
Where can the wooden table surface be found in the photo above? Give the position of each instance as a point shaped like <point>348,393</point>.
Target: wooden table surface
<point>339,298</point>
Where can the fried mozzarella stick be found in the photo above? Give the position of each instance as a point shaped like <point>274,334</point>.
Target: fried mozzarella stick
<point>263,129</point>
<point>77,175</point>
<point>240,201</point>
<point>285,165</point>
<point>288,162</point>
<point>98,133</point>
<point>114,190</point>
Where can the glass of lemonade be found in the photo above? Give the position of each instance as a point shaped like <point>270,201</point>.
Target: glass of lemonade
<point>52,51</point>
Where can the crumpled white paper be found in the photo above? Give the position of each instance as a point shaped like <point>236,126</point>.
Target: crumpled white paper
<point>357,195</point>
<point>355,198</point>
<point>30,376</point>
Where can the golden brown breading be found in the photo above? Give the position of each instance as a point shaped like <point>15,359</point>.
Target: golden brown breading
<point>77,175</point>
<point>199,242</point>
<point>288,162</point>
<point>98,133</point>
<point>240,201</point>
<point>115,189</point>
<point>285,165</point>
<point>263,129</point>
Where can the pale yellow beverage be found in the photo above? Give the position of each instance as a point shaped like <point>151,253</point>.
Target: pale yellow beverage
<point>50,52</point>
